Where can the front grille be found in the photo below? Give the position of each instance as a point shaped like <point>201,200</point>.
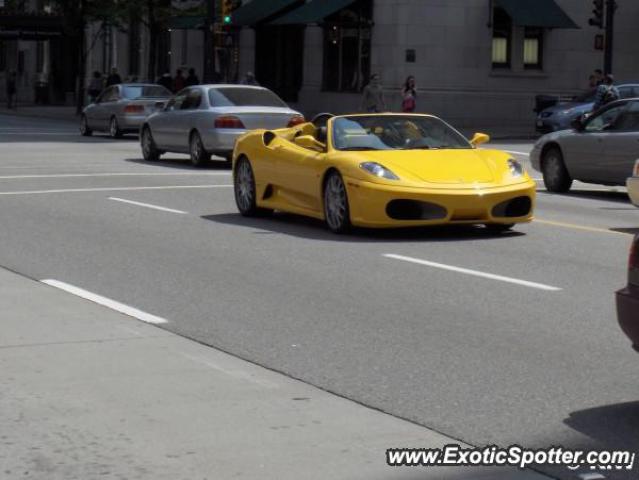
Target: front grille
<point>414,210</point>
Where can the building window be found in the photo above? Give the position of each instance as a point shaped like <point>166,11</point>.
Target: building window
<point>502,34</point>
<point>184,55</point>
<point>134,47</point>
<point>347,47</point>
<point>533,48</point>
<point>39,57</point>
<point>3,56</point>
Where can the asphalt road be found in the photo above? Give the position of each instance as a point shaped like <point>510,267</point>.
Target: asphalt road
<point>535,358</point>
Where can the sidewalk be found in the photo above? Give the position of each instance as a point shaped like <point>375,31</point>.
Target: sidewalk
<point>89,393</point>
<point>55,112</point>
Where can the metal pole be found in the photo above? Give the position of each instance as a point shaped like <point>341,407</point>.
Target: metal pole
<point>611,6</point>
<point>209,50</point>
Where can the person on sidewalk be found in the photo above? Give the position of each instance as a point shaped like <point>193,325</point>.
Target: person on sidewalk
<point>114,78</point>
<point>409,95</point>
<point>179,82</point>
<point>95,86</point>
<point>249,79</point>
<point>373,96</point>
<point>192,78</point>
<point>606,93</point>
<point>12,91</point>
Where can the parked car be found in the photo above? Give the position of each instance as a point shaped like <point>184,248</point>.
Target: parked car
<point>381,171</point>
<point>628,298</point>
<point>600,149</point>
<point>123,108</point>
<point>633,185</point>
<point>561,115</point>
<point>207,119</point>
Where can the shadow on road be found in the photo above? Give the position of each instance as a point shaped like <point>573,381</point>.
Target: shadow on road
<point>309,228</point>
<point>608,195</point>
<point>613,426</point>
<point>182,163</point>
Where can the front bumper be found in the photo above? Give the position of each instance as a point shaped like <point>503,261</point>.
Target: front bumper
<point>628,313</point>
<point>633,190</point>
<point>372,204</point>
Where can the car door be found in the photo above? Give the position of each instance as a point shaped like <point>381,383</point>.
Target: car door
<point>96,113</point>
<point>621,146</point>
<point>107,107</point>
<point>298,174</point>
<point>162,125</point>
<point>187,119</point>
<point>583,150</point>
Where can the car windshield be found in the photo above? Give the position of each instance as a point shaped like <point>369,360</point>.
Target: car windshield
<point>148,91</point>
<point>395,132</point>
<point>244,97</point>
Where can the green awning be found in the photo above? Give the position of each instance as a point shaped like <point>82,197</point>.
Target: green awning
<point>312,12</point>
<point>257,11</point>
<point>187,23</point>
<point>536,13</point>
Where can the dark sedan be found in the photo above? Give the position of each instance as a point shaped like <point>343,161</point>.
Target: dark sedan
<point>628,298</point>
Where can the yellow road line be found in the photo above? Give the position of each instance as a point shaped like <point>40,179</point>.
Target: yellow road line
<point>579,227</point>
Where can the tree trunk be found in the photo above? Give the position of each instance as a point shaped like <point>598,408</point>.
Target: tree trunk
<point>153,41</point>
<point>82,66</point>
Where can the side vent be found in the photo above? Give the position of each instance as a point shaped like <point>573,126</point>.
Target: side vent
<point>268,137</point>
<point>268,192</point>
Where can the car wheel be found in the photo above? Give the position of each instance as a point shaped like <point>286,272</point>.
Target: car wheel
<point>199,156</point>
<point>149,151</point>
<point>85,131</point>
<point>245,191</point>
<point>114,128</point>
<point>336,211</point>
<point>499,227</point>
<point>556,176</point>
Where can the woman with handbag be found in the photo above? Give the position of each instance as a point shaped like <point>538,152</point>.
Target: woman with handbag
<point>409,95</point>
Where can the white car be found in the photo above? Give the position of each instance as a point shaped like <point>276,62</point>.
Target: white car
<point>633,185</point>
<point>207,119</point>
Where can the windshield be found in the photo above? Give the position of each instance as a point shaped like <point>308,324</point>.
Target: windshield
<point>244,97</point>
<point>139,91</point>
<point>395,132</point>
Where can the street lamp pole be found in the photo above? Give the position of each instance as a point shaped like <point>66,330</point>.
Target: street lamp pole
<point>611,6</point>
<point>209,50</point>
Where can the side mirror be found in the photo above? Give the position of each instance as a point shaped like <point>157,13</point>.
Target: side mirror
<point>308,141</point>
<point>479,138</point>
<point>578,124</point>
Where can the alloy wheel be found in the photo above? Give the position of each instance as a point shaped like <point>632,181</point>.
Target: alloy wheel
<point>244,187</point>
<point>336,204</point>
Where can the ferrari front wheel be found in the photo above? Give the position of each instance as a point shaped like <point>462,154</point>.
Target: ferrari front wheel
<point>336,210</point>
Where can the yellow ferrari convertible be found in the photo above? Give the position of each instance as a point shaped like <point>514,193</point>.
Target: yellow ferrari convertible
<point>380,170</point>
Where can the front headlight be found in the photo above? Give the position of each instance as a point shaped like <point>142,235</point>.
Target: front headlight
<point>516,168</point>
<point>378,170</point>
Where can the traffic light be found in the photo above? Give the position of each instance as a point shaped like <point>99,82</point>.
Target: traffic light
<point>227,8</point>
<point>597,19</point>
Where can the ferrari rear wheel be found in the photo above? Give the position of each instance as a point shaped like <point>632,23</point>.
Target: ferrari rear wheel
<point>336,210</point>
<point>556,176</point>
<point>199,156</point>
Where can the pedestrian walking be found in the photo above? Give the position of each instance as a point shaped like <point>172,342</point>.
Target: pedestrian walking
<point>114,78</point>
<point>95,86</point>
<point>409,95</point>
<point>179,82</point>
<point>192,79</point>
<point>249,79</point>
<point>606,92</point>
<point>12,91</point>
<point>373,96</point>
<point>166,81</point>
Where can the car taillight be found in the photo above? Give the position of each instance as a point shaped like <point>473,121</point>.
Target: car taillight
<point>228,121</point>
<point>295,120</point>
<point>134,109</point>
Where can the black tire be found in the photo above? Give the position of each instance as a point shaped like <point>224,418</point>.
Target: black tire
<point>245,191</point>
<point>556,176</point>
<point>199,156</point>
<point>499,227</point>
<point>85,131</point>
<point>150,151</point>
<point>336,210</point>
<point>114,128</point>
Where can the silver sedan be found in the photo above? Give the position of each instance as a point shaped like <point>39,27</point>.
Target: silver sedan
<point>600,149</point>
<point>207,119</point>
<point>123,108</point>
